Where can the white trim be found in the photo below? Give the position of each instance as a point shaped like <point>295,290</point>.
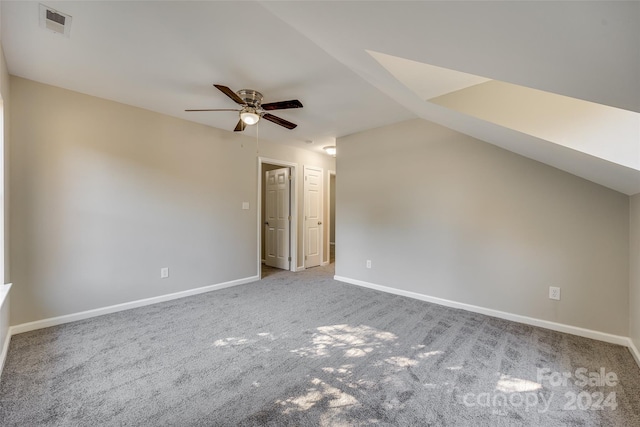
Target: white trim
<point>4,205</point>
<point>324,263</point>
<point>4,293</point>
<point>53,321</point>
<point>574,330</point>
<point>634,351</point>
<point>328,218</point>
<point>5,350</point>
<point>300,268</point>
<point>293,203</point>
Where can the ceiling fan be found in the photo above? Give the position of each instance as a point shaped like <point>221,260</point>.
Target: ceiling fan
<point>253,108</point>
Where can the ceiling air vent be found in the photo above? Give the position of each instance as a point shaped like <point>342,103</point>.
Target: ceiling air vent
<point>55,21</point>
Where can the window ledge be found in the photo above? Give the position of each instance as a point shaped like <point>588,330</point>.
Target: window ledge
<point>4,292</point>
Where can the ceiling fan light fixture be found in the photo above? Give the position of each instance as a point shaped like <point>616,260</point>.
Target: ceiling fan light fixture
<point>249,117</point>
<point>330,149</point>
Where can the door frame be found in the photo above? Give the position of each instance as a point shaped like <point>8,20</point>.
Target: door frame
<point>293,208</point>
<point>327,220</point>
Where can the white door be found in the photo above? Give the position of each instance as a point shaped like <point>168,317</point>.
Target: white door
<point>312,216</point>
<point>277,218</point>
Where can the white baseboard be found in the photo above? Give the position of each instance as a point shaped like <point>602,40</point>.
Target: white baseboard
<point>53,321</point>
<point>325,263</point>
<point>574,330</point>
<point>300,268</point>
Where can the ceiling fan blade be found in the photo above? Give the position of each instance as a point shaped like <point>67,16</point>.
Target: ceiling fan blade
<point>231,94</point>
<point>282,105</point>
<point>279,121</point>
<point>240,126</point>
<point>216,109</point>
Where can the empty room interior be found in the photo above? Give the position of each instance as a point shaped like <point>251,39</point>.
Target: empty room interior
<point>325,213</point>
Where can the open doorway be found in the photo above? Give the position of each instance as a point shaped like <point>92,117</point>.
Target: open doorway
<point>277,219</point>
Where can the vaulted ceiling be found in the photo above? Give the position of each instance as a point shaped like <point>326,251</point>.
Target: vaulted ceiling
<point>166,56</point>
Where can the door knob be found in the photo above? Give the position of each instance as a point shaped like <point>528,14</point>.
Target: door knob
<point>266,223</point>
<point>319,222</point>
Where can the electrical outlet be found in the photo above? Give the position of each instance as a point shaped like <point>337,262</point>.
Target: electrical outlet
<point>164,272</point>
<point>368,263</point>
<point>554,293</point>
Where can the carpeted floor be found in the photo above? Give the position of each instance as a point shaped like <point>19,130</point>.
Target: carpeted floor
<point>301,349</point>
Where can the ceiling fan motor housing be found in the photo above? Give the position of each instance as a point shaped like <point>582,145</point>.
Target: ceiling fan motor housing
<point>251,97</point>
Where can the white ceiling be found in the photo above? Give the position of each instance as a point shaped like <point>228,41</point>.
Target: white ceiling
<point>165,56</point>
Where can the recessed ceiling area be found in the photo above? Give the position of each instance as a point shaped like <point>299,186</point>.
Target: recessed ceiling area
<point>609,133</point>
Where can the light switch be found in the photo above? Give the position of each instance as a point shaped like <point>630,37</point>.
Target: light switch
<point>245,205</point>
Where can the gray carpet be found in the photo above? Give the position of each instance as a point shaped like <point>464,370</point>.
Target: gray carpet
<point>301,349</point>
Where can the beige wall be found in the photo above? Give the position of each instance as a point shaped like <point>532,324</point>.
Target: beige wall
<point>442,214</point>
<point>107,194</point>
<point>634,280</point>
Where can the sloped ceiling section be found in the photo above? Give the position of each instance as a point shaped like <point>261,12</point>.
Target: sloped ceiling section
<point>585,51</point>
<point>609,133</point>
<point>427,81</point>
